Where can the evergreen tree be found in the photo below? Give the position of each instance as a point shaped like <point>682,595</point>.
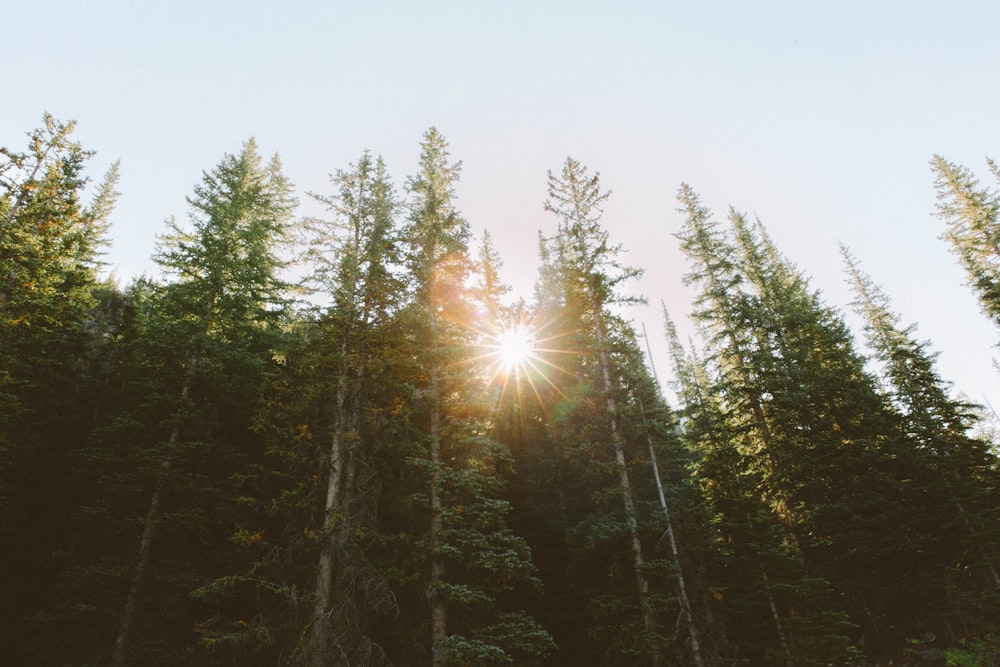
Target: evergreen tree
<point>365,294</point>
<point>755,562</point>
<point>793,395</point>
<point>327,422</point>
<point>938,426</point>
<point>191,474</point>
<point>833,461</point>
<point>971,214</point>
<point>438,266</point>
<point>584,278</point>
<point>210,336</point>
<point>50,242</point>
<point>330,423</point>
<point>475,560</point>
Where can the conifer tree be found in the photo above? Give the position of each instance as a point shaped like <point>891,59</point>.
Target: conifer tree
<point>792,389</point>
<point>585,277</point>
<point>649,418</point>
<point>690,387</point>
<point>971,213</point>
<point>212,335</point>
<point>327,420</point>
<point>50,243</point>
<point>833,460</point>
<point>354,344</point>
<point>438,265</point>
<point>938,427</point>
<point>715,421</point>
<point>110,476</point>
<point>475,560</point>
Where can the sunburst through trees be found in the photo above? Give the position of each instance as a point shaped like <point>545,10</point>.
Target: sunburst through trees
<point>519,360</point>
<point>515,347</point>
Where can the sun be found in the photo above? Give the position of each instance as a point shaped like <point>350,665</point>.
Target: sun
<point>514,348</point>
<point>515,360</point>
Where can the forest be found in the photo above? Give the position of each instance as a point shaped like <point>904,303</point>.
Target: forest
<point>389,460</point>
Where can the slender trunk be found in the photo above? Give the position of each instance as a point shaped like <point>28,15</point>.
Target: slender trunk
<point>671,539</point>
<point>439,617</point>
<point>350,496</point>
<point>674,551</point>
<point>341,491</point>
<point>779,626</point>
<point>123,643</point>
<point>320,635</point>
<point>322,632</point>
<point>628,495</point>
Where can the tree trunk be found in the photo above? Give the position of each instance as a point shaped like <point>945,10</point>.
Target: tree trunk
<point>123,643</point>
<point>439,616</point>
<point>628,495</point>
<point>320,635</point>
<point>779,626</point>
<point>674,552</point>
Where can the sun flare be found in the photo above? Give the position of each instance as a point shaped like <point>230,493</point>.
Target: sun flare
<point>515,347</point>
<point>516,360</point>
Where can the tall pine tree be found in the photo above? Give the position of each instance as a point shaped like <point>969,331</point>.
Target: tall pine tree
<point>51,238</point>
<point>475,559</point>
<point>214,330</point>
<point>971,213</point>
<point>938,428</point>
<point>583,278</point>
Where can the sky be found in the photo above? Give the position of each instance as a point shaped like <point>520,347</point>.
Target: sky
<point>819,118</point>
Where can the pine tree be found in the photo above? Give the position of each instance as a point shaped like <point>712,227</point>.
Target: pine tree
<point>791,390</point>
<point>438,265</point>
<point>938,426</point>
<point>475,560</point>
<point>50,244</point>
<point>694,590</point>
<point>354,344</point>
<point>848,488</point>
<point>585,277</point>
<point>110,474</point>
<point>756,542</point>
<point>971,214</point>
<point>214,329</point>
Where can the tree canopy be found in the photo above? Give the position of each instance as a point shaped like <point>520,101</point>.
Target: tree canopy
<point>391,460</point>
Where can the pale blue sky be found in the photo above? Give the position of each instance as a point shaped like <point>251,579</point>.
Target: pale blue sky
<point>818,117</point>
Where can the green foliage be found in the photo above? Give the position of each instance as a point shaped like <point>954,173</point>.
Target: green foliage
<point>971,214</point>
<point>196,471</point>
<point>468,564</point>
<point>174,461</point>
<point>802,456</point>
<point>50,364</point>
<point>601,428</point>
<point>981,652</point>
